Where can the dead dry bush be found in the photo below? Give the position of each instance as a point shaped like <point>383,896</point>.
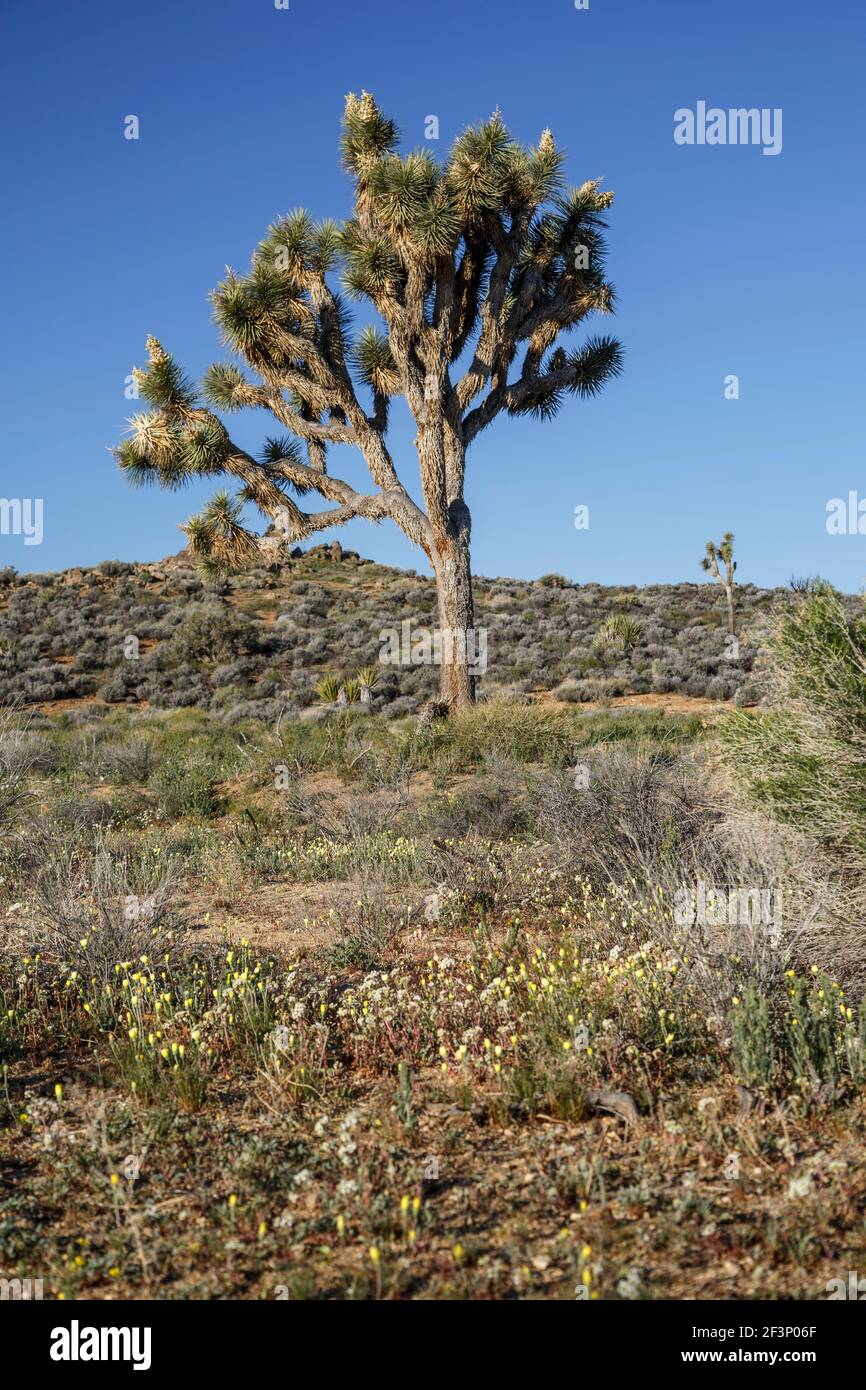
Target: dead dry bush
<point>344,817</point>
<point>96,904</point>
<point>823,898</point>
<point>367,923</point>
<point>492,805</point>
<point>626,814</point>
<point>476,876</point>
<point>20,752</point>
<point>354,817</point>
<point>649,826</point>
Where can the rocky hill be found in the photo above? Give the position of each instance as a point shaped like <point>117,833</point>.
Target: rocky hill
<point>159,635</point>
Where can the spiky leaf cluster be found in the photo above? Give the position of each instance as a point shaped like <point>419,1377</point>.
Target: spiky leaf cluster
<point>218,537</point>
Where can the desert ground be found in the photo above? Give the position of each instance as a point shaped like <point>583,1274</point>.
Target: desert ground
<point>317,1000</point>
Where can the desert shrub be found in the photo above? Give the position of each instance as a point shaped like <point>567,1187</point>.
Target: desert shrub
<point>127,760</point>
<point>401,707</point>
<point>717,688</point>
<point>803,759</point>
<point>269,711</point>
<point>181,690</point>
<point>19,753</point>
<point>227,697</point>
<point>75,815</point>
<point>22,746</point>
<point>748,694</point>
<point>478,878</point>
<point>119,687</point>
<point>517,732</point>
<point>488,807</point>
<point>590,691</point>
<point>184,787</point>
<point>97,904</point>
<point>210,633</point>
<point>626,814</point>
<point>367,925</point>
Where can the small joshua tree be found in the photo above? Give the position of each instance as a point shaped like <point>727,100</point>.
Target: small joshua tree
<point>723,554</point>
<point>474,269</point>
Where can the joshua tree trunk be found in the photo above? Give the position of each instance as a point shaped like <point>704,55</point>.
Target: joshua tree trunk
<point>459,646</point>
<point>729,596</point>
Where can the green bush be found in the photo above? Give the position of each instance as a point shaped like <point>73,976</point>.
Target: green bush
<point>184,787</point>
<point>809,1040</point>
<point>211,633</point>
<point>804,758</point>
<point>752,1040</point>
<point>522,733</point>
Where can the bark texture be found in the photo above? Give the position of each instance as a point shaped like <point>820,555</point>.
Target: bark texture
<point>458,638</point>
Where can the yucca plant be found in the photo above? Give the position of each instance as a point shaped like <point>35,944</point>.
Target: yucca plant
<point>367,678</point>
<point>328,689</point>
<point>620,631</point>
<point>475,267</point>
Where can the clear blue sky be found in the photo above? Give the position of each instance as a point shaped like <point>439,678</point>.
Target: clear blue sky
<point>725,260</point>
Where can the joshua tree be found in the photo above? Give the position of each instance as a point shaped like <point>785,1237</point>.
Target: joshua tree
<point>471,265</point>
<point>710,563</point>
